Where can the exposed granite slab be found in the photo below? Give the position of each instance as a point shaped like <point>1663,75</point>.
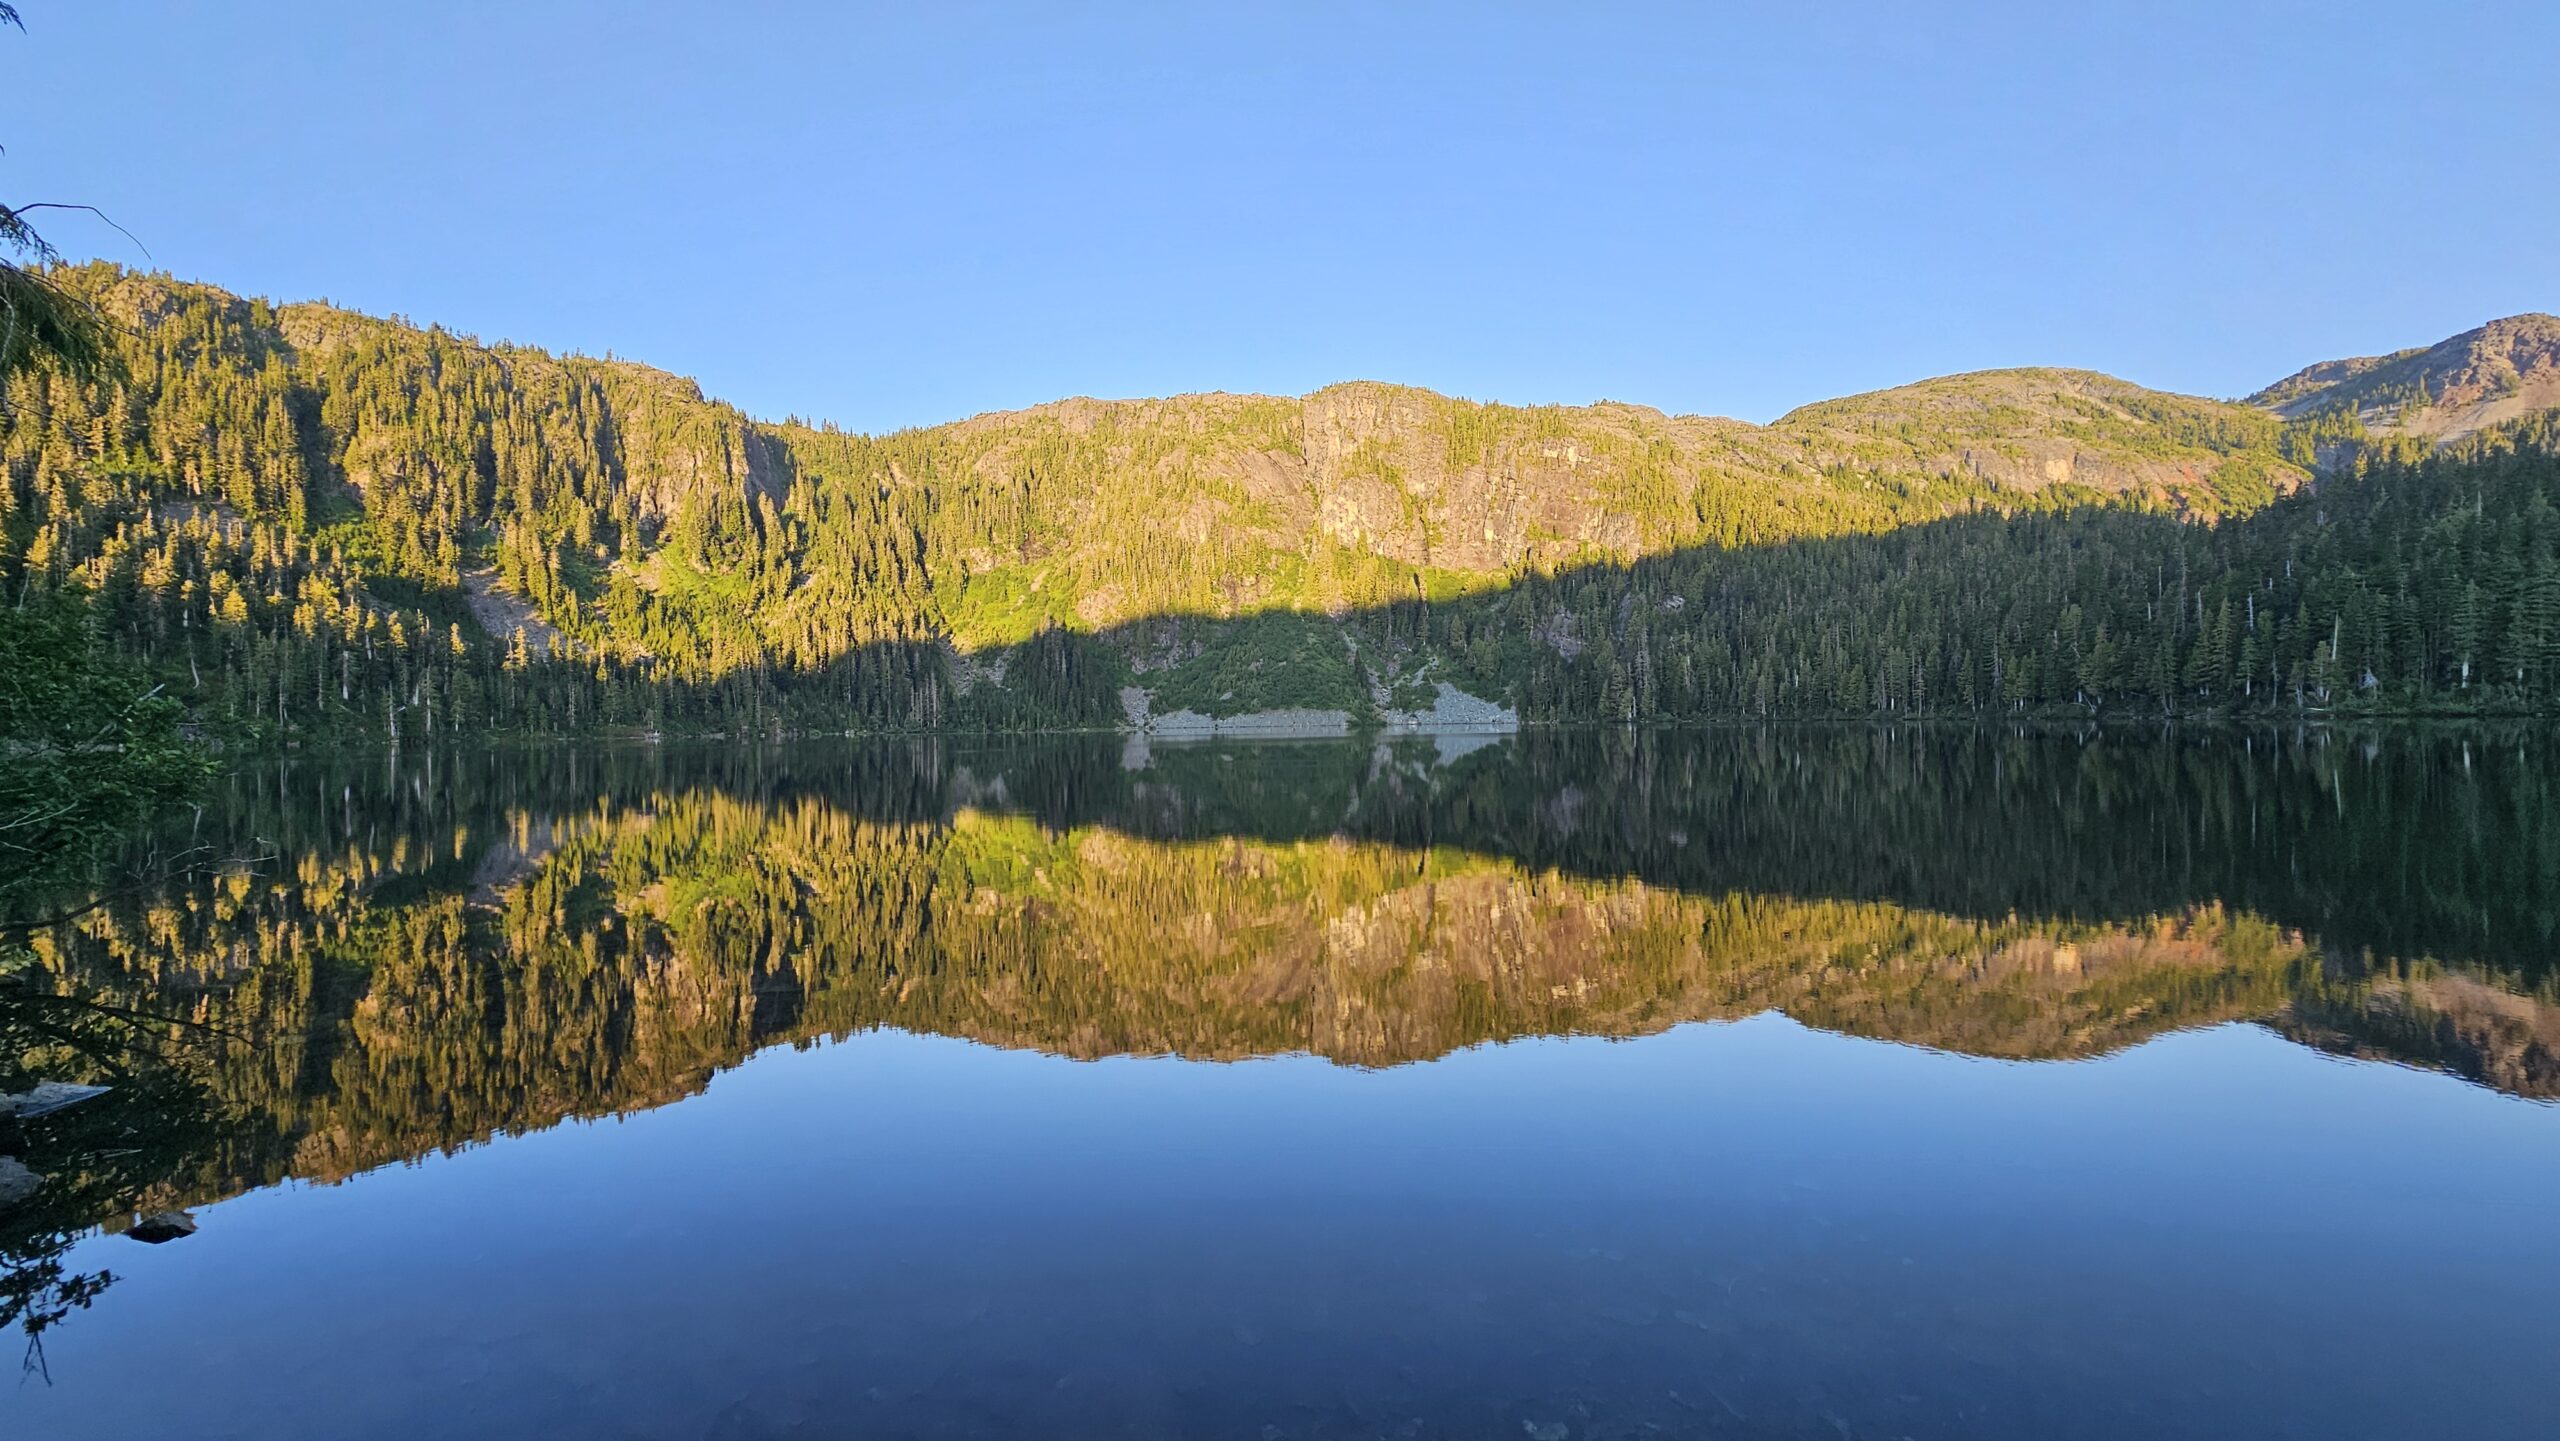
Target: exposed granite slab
<point>1452,710</point>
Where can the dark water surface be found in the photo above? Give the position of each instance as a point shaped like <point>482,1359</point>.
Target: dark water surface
<point>1808,1083</point>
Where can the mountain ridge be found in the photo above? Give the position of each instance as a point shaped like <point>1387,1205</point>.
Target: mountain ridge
<point>2489,374</point>
<point>341,514</point>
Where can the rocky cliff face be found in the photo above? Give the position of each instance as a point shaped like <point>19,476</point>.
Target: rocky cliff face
<point>1404,473</point>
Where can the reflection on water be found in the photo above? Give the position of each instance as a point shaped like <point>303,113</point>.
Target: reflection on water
<point>438,949</point>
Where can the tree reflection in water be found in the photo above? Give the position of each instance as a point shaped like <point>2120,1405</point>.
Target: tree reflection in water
<point>451,946</point>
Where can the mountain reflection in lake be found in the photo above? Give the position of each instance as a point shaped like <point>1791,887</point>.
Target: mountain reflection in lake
<point>1381,1225</point>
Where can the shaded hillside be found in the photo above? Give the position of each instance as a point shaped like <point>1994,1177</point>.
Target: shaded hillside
<point>2424,588</point>
<point>2433,842</point>
<point>2427,586</point>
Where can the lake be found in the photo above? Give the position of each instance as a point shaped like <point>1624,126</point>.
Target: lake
<point>1799,1083</point>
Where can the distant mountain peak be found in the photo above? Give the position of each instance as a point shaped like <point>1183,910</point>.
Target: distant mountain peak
<point>2485,376</point>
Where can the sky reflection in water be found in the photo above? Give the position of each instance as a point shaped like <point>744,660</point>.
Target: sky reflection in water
<point>1736,1227</point>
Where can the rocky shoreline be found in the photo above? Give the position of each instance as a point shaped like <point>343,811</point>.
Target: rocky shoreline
<point>1452,711</point>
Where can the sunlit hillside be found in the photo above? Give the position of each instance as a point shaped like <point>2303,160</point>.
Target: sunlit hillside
<point>312,521</point>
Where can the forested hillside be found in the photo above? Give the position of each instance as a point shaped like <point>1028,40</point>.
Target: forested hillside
<point>307,521</point>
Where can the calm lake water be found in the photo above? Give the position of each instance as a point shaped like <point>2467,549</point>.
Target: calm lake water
<point>1794,1084</point>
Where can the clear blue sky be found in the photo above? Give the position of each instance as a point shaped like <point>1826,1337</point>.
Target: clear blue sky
<point>891,215</point>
